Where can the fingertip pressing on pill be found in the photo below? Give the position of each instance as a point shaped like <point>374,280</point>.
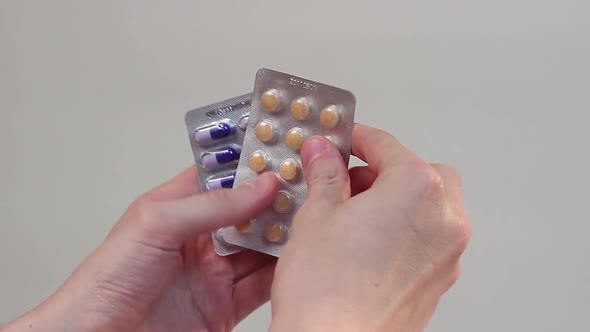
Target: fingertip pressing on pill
<point>294,139</point>
<point>300,108</point>
<point>271,100</point>
<point>289,169</point>
<point>265,131</point>
<point>258,161</point>
<point>330,117</point>
<point>275,233</point>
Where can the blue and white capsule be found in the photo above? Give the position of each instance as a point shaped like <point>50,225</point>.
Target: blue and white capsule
<point>211,134</point>
<point>223,157</point>
<point>221,181</point>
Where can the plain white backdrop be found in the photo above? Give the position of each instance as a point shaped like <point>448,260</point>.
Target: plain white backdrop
<point>93,95</point>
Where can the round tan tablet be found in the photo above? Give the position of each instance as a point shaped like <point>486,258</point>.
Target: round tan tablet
<point>271,100</point>
<point>283,201</point>
<point>265,131</point>
<point>329,117</point>
<point>257,161</point>
<point>300,108</point>
<point>289,169</point>
<point>294,139</point>
<point>275,233</point>
<point>244,227</point>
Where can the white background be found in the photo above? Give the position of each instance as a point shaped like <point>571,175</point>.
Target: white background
<point>93,95</point>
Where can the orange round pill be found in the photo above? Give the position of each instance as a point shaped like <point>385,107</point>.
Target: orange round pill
<point>330,117</point>
<point>294,139</point>
<point>300,108</point>
<point>265,131</point>
<point>258,161</point>
<point>289,169</point>
<point>275,233</point>
<point>282,202</point>
<point>271,100</point>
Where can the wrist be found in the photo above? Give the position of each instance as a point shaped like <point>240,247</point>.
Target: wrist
<point>317,317</point>
<point>43,318</point>
<point>60,312</point>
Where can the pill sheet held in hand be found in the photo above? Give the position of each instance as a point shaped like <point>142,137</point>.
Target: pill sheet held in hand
<point>285,111</point>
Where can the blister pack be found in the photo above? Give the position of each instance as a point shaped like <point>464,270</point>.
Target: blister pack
<point>216,134</point>
<point>285,111</point>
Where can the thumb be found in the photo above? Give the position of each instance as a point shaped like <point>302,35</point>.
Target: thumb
<point>173,222</point>
<point>325,171</point>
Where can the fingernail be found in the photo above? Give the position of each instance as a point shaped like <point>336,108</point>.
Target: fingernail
<point>316,147</point>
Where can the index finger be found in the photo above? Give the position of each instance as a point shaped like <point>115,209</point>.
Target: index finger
<point>376,147</point>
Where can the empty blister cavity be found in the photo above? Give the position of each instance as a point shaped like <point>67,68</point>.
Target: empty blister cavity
<point>271,100</point>
<point>243,122</point>
<point>266,131</point>
<point>330,117</point>
<point>283,202</point>
<point>221,181</point>
<point>221,158</point>
<point>301,108</point>
<point>218,236</point>
<point>289,169</point>
<point>206,136</point>
<point>295,138</point>
<point>275,233</point>
<point>258,161</point>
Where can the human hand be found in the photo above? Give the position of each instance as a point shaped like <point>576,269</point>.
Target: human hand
<point>379,261</point>
<point>157,270</point>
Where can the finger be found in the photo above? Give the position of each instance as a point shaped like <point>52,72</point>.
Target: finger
<point>182,185</point>
<point>248,261</point>
<point>452,183</point>
<point>325,171</point>
<point>376,147</point>
<point>252,292</point>
<point>361,179</point>
<point>198,214</point>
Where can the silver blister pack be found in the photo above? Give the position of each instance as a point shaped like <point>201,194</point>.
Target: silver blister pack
<point>216,134</point>
<point>285,111</point>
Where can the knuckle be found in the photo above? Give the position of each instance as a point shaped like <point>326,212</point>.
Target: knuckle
<point>459,232</point>
<point>448,172</point>
<point>145,213</point>
<point>453,276</point>
<point>427,181</point>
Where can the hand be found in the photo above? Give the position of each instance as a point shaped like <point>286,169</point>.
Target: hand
<point>157,270</point>
<point>379,261</point>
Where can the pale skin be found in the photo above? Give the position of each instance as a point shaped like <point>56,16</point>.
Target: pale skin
<point>374,248</point>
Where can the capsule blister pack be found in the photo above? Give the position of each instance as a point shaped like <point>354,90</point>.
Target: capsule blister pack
<point>216,133</point>
<point>285,111</point>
